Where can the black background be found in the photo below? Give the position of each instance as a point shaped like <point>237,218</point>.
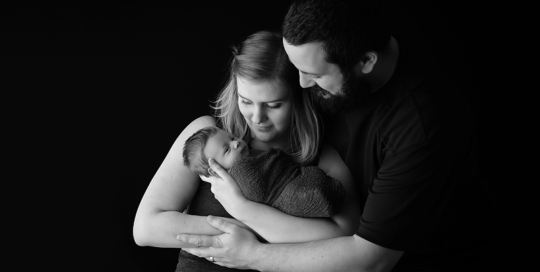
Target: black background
<point>98,91</point>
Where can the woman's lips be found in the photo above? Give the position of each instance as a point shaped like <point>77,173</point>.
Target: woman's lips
<point>262,129</point>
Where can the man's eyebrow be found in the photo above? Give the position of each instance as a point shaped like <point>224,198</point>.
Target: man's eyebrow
<point>273,101</point>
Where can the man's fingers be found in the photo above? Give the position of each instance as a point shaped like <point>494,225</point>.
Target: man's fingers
<point>207,253</point>
<point>220,224</point>
<point>203,252</point>
<point>198,240</point>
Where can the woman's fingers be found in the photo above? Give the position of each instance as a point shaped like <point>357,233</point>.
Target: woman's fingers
<point>213,173</point>
<point>206,179</point>
<point>209,179</point>
<point>214,165</point>
<point>215,170</point>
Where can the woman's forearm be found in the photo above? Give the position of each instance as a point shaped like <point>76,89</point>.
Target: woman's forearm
<point>278,227</point>
<point>160,229</point>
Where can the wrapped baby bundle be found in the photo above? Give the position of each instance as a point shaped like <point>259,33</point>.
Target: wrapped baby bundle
<point>274,179</point>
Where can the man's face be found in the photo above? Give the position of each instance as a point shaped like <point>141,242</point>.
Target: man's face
<point>335,90</point>
<point>310,61</point>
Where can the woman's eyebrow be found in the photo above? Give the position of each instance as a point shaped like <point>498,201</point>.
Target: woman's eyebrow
<point>243,97</point>
<point>307,73</point>
<point>273,101</point>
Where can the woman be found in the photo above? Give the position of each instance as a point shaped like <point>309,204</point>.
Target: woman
<point>263,104</point>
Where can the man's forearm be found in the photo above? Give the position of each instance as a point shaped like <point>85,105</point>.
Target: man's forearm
<point>350,253</point>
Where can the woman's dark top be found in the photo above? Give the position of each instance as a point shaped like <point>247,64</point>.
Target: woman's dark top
<point>203,203</point>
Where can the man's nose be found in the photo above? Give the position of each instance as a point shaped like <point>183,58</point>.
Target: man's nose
<point>305,81</point>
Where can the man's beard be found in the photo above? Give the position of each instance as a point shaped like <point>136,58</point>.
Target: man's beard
<point>351,93</point>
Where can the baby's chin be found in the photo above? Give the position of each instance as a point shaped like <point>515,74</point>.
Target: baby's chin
<point>245,151</point>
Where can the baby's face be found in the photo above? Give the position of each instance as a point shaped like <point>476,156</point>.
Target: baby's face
<point>225,148</point>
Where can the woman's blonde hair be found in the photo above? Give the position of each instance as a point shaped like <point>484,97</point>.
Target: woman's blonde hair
<point>261,58</point>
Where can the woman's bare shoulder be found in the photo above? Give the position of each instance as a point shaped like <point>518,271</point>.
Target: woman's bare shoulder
<point>203,121</point>
<point>327,151</point>
<point>329,158</point>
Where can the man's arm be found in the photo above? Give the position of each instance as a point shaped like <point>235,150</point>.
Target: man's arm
<point>350,253</point>
<point>238,248</point>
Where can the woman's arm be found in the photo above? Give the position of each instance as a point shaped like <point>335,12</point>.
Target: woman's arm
<point>160,214</point>
<point>278,227</point>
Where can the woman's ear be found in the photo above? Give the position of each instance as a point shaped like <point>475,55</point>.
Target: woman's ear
<point>366,64</point>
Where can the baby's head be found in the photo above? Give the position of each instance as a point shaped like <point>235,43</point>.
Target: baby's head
<point>212,142</point>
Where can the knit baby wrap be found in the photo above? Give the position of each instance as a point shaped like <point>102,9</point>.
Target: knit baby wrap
<point>274,179</point>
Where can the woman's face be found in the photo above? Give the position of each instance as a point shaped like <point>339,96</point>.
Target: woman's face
<point>267,110</point>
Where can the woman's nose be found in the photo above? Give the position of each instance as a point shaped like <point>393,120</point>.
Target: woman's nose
<point>305,81</point>
<point>258,115</point>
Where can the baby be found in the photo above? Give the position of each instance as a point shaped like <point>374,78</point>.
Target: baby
<point>269,177</point>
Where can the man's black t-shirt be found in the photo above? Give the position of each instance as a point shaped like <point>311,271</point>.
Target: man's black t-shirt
<point>411,149</point>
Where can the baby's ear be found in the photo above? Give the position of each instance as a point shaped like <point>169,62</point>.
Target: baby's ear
<point>213,173</point>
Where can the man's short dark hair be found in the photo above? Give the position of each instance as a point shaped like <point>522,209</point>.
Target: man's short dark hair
<point>346,29</point>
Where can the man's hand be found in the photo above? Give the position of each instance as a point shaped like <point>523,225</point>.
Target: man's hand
<point>231,249</point>
<point>225,189</point>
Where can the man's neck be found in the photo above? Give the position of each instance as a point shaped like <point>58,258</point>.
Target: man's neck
<point>385,66</point>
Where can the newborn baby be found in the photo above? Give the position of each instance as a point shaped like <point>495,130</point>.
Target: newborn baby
<point>270,177</point>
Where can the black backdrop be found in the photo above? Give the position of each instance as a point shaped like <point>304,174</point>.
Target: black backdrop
<point>99,90</point>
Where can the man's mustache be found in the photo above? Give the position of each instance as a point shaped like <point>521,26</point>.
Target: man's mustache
<point>320,91</point>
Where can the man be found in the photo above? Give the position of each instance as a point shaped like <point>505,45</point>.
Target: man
<point>406,134</point>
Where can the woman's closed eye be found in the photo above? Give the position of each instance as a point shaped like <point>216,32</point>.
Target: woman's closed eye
<point>268,105</point>
<point>274,106</point>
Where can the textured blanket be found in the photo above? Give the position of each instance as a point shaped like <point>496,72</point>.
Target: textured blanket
<point>274,179</point>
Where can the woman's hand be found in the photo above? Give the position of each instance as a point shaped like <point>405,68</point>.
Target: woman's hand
<point>225,189</point>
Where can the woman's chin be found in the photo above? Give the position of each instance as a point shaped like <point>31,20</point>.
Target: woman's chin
<point>264,137</point>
